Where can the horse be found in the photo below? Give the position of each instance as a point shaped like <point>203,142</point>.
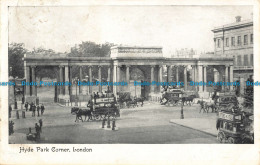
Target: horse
<point>202,105</point>
<point>210,105</point>
<point>188,99</point>
<point>140,100</point>
<point>81,112</point>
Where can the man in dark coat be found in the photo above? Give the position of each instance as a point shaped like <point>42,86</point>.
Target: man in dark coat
<point>10,111</point>
<point>33,110</point>
<point>38,110</point>
<point>26,106</point>
<point>42,109</point>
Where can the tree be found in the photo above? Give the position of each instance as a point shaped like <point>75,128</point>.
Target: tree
<point>16,52</point>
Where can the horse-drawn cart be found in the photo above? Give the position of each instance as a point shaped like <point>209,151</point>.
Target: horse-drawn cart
<point>172,97</point>
<point>105,107</point>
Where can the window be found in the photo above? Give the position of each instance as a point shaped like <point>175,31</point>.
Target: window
<point>251,60</point>
<point>239,40</point>
<point>245,40</point>
<point>232,41</point>
<point>251,38</point>
<point>218,43</point>
<point>245,60</point>
<point>239,60</point>
<point>227,42</point>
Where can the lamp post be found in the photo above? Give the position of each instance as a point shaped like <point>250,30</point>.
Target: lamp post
<point>182,116</point>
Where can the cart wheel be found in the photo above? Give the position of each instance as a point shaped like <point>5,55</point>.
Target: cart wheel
<point>231,140</point>
<point>221,137</point>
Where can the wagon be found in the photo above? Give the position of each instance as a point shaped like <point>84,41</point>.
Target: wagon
<point>172,97</point>
<point>224,100</point>
<point>233,128</point>
<point>105,107</point>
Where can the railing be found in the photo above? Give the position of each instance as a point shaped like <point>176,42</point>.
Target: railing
<point>243,67</point>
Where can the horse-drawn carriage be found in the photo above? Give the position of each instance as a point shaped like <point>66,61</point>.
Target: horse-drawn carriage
<point>125,99</point>
<point>235,127</point>
<point>105,107</point>
<point>225,100</point>
<point>172,97</point>
<point>98,109</point>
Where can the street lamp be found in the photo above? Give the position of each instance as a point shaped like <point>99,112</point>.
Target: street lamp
<point>182,116</point>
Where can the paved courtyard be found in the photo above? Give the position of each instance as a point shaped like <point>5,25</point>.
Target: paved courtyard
<point>149,124</point>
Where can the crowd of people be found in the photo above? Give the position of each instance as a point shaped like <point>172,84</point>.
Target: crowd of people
<point>32,107</point>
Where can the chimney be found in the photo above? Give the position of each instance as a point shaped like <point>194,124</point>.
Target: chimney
<point>238,18</point>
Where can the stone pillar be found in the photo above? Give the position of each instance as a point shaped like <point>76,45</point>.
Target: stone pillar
<point>242,86</point>
<point>27,78</point>
<point>90,78</point>
<point>70,79</point>
<point>66,80</point>
<point>61,79</point>
<point>99,78</point>
<point>127,77</point>
<point>177,73</point>
<point>114,79</point>
<point>185,78</point>
<point>192,73</point>
<point>108,77</point>
<point>226,73</point>
<point>118,77</point>
<point>200,78</point>
<point>216,79</point>
<point>231,76</point>
<point>152,78</point>
<point>80,79</point>
<point>169,73</point>
<point>205,77</point>
<point>34,80</point>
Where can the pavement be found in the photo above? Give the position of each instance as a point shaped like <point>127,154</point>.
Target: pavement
<point>140,125</point>
<point>208,126</point>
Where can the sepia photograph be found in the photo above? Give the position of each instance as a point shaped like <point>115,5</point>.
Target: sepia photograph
<point>129,82</point>
<point>101,75</point>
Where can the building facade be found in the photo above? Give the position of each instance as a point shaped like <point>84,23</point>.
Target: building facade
<point>236,40</point>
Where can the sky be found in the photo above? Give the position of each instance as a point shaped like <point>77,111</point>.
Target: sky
<point>171,27</point>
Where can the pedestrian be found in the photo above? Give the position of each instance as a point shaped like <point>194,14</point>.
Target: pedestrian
<point>11,127</point>
<point>10,111</point>
<point>42,109</point>
<point>37,129</point>
<point>33,110</point>
<point>38,110</point>
<point>26,106</point>
<point>31,106</point>
<point>40,122</point>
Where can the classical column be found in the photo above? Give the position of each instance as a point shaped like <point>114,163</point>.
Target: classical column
<point>200,78</point>
<point>99,78</point>
<point>205,77</point>
<point>177,73</point>
<point>70,79</point>
<point>226,73</point>
<point>66,80</point>
<point>169,73</point>
<point>185,77</point>
<point>114,79</point>
<point>34,80</point>
<point>90,78</point>
<point>118,77</point>
<point>80,79</point>
<point>231,76</point>
<point>108,77</point>
<point>216,75</point>
<point>127,77</point>
<point>152,78</point>
<point>27,78</point>
<point>61,80</point>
